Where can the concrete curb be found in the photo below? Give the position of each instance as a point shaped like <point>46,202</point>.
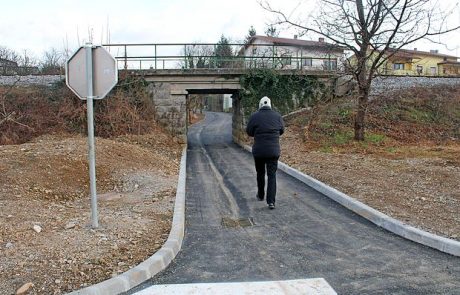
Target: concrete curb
<point>393,225</point>
<point>158,261</point>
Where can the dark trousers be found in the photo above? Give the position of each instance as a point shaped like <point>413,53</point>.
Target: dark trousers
<point>272,165</point>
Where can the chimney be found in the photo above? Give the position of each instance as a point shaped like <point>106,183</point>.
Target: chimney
<point>321,39</point>
<point>433,51</point>
<point>415,49</point>
<point>295,36</point>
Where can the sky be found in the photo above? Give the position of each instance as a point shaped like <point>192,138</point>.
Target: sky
<point>40,25</point>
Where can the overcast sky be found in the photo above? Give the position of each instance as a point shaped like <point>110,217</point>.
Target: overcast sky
<point>40,25</point>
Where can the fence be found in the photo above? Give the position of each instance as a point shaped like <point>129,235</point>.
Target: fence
<point>158,56</point>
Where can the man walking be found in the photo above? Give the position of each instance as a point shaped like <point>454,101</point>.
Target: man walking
<point>266,126</point>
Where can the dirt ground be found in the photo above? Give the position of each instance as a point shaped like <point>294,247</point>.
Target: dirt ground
<point>416,184</point>
<point>45,233</point>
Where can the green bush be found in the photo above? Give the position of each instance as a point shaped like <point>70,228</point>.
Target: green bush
<point>287,92</point>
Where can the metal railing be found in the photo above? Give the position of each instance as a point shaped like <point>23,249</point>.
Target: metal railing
<point>159,56</point>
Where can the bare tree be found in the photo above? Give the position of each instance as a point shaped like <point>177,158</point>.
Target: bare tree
<point>373,30</point>
<point>52,62</point>
<point>8,54</point>
<point>197,56</point>
<point>27,63</point>
<point>26,59</point>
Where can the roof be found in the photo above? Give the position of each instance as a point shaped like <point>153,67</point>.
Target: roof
<point>407,53</point>
<point>9,63</point>
<point>449,62</point>
<point>294,42</point>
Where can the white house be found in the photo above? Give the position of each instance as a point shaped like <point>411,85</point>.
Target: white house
<point>285,53</point>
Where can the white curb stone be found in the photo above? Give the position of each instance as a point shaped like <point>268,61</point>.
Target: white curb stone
<point>158,261</point>
<point>393,225</point>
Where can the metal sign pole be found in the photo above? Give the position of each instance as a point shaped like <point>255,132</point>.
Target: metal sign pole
<point>91,148</point>
<point>91,66</point>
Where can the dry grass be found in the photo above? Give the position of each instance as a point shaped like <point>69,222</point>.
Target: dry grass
<point>408,167</point>
<point>422,116</point>
<point>28,112</point>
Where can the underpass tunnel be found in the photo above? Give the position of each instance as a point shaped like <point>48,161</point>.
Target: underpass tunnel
<point>200,101</point>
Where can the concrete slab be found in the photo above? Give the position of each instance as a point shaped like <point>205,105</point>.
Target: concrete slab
<point>317,286</point>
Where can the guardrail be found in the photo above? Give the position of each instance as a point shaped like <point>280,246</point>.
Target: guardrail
<point>156,56</point>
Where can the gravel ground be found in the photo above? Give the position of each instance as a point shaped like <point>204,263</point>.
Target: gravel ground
<point>417,185</point>
<point>45,237</point>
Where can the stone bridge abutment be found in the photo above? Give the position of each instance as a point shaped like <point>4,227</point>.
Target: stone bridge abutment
<point>170,89</point>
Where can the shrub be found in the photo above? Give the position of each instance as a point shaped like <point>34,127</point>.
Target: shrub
<point>28,112</point>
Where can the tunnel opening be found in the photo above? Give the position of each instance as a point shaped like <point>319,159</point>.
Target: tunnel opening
<point>200,102</point>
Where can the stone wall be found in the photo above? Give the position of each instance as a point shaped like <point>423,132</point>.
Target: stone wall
<point>238,121</point>
<point>391,83</point>
<point>40,80</point>
<point>170,108</point>
<point>385,84</point>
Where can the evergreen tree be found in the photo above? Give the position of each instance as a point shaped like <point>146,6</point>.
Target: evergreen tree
<point>251,33</point>
<point>223,53</point>
<point>271,31</point>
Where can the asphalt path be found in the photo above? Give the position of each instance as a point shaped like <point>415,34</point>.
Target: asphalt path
<point>230,236</point>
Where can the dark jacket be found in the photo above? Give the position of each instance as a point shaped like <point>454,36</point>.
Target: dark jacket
<point>265,126</point>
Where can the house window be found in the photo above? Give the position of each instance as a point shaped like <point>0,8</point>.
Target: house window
<point>433,70</point>
<point>307,62</point>
<point>330,65</point>
<point>286,59</point>
<point>398,66</point>
<point>419,70</point>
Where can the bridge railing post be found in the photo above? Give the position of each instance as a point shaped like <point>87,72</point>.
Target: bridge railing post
<point>126,58</point>
<point>185,56</point>
<point>215,56</point>
<point>301,60</point>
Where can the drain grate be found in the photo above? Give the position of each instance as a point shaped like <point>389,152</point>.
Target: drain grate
<point>240,222</point>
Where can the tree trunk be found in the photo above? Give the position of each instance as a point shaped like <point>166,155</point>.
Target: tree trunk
<point>360,115</point>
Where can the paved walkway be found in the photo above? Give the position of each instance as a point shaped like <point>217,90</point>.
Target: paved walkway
<point>232,237</point>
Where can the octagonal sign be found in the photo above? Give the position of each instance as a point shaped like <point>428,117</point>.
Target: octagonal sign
<point>105,74</point>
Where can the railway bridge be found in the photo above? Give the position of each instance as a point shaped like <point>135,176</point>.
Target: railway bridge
<point>172,77</point>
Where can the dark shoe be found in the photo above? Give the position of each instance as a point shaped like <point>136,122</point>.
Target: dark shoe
<point>259,198</point>
<point>271,206</point>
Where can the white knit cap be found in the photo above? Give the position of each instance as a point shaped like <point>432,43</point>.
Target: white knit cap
<point>265,101</point>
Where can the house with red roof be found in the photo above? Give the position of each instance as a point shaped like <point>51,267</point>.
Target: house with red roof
<point>285,53</point>
<point>420,63</point>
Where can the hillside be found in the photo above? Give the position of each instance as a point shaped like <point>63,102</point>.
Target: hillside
<point>45,237</point>
<point>409,165</point>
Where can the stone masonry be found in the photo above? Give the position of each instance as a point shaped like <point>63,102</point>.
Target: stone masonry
<point>238,123</point>
<point>385,84</point>
<point>170,108</point>
<point>39,80</point>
